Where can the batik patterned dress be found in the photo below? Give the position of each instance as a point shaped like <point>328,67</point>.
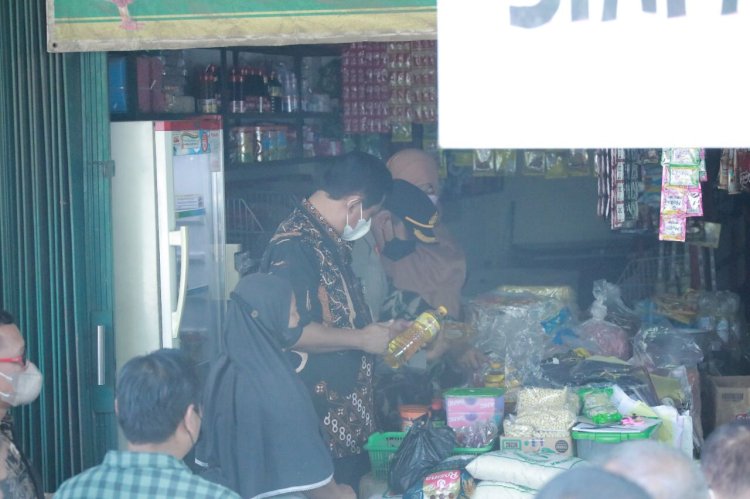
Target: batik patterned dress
<point>310,254</point>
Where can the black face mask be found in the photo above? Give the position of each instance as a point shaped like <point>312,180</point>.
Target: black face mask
<point>396,249</point>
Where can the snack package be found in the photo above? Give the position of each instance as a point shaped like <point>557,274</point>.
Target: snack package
<point>684,156</point>
<point>683,176</point>
<point>478,434</point>
<point>580,162</point>
<point>534,162</point>
<point>505,161</point>
<point>694,204</point>
<point>598,406</point>
<point>453,484</point>
<point>447,479</point>
<point>672,228</point>
<point>484,162</point>
<point>674,200</point>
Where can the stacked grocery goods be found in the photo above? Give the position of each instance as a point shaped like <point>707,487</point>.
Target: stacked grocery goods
<point>261,143</point>
<point>365,90</point>
<point>734,171</point>
<point>161,82</point>
<point>681,197</point>
<point>412,77</point>
<point>387,87</point>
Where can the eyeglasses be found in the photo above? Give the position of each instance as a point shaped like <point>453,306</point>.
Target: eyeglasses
<point>20,360</point>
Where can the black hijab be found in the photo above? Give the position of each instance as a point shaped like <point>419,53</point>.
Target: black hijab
<point>260,434</point>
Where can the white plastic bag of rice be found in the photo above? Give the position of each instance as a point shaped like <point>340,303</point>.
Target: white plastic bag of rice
<point>532,470</point>
<point>488,489</point>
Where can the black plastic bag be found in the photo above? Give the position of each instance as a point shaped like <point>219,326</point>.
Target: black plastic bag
<point>424,446</point>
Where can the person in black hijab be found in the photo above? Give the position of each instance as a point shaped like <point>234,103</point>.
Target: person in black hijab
<point>261,436</point>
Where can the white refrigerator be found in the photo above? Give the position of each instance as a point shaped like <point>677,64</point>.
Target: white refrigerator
<point>168,236</point>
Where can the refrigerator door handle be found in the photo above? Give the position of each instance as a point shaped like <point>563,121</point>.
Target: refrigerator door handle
<point>101,372</point>
<point>180,238</point>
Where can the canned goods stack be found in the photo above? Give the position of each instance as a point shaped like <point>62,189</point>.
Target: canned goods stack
<point>261,143</point>
<point>365,90</point>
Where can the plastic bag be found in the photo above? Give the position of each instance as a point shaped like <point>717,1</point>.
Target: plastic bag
<point>424,446</point>
<point>617,312</point>
<point>609,338</point>
<point>660,347</point>
<point>510,326</point>
<point>598,407</point>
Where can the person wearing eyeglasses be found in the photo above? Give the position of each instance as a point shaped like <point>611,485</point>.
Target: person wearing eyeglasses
<point>20,384</point>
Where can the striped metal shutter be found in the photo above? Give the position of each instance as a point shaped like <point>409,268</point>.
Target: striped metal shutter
<point>55,237</point>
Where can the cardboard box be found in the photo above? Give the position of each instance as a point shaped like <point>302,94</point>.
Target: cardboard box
<point>559,445</point>
<point>730,399</point>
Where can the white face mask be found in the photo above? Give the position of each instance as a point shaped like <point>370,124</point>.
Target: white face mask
<point>26,386</point>
<point>359,231</point>
<point>434,198</point>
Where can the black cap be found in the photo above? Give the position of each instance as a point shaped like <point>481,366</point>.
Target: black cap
<point>414,207</point>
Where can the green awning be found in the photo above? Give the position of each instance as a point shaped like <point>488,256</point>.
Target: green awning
<point>110,25</point>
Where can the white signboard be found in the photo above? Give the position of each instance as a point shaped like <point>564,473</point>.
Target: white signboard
<point>593,73</point>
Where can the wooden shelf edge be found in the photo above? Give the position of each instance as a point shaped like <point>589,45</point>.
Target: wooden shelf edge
<point>243,172</point>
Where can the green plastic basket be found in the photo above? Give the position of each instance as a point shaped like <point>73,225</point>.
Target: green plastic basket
<point>591,445</point>
<point>382,446</point>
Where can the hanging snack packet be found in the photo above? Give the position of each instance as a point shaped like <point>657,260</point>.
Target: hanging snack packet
<point>702,167</point>
<point>484,162</point>
<point>534,162</point>
<point>725,164</point>
<point>684,176</point>
<point>685,156</point>
<point>580,163</point>
<point>505,161</point>
<point>694,202</point>
<point>556,163</point>
<point>672,228</point>
<point>743,168</point>
<point>673,200</point>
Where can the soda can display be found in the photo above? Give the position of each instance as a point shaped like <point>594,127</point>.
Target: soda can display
<point>241,143</point>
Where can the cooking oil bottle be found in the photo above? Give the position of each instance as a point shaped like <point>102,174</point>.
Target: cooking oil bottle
<point>495,376</point>
<point>424,328</point>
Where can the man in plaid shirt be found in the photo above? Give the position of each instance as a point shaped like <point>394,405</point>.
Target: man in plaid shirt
<point>158,400</point>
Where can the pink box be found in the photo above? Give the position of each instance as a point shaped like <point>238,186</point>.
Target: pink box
<point>466,406</point>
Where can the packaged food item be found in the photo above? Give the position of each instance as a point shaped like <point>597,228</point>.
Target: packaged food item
<point>556,163</point>
<point>672,228</point>
<point>598,406</point>
<point>579,163</point>
<point>684,156</point>
<point>495,376</point>
<point>673,200</point>
<point>446,480</point>
<point>484,162</point>
<point>534,163</point>
<point>694,202</point>
<point>444,485</point>
<point>477,434</point>
<point>505,161</point>
<point>684,176</point>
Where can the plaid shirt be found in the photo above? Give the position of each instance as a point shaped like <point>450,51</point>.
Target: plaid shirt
<point>141,475</point>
